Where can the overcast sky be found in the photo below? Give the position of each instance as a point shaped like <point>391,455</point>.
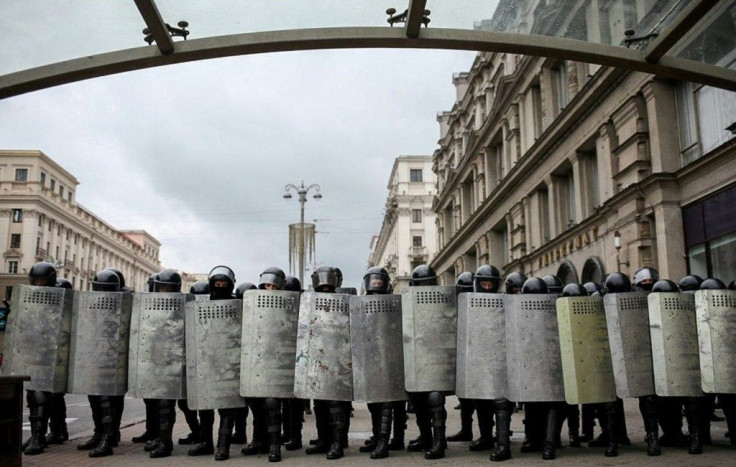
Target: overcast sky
<point>198,154</point>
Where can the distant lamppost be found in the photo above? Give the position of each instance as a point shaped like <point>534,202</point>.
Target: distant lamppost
<point>302,191</point>
<point>617,245</point>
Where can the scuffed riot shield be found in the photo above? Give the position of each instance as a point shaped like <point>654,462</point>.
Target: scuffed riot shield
<point>213,329</point>
<point>377,348</point>
<point>627,319</point>
<point>157,357</point>
<point>323,367</point>
<point>429,325</point>
<point>269,343</point>
<point>98,363</point>
<point>201,297</point>
<point>481,347</point>
<point>716,317</point>
<point>675,351</point>
<point>533,348</point>
<point>586,353</point>
<point>37,337</point>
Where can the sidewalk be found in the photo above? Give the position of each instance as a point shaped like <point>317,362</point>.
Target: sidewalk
<point>721,453</point>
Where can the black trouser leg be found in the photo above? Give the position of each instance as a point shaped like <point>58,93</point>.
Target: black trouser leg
<point>338,428</point>
<point>206,423</point>
<point>400,419</point>
<point>191,417</point>
<point>241,418</point>
<point>694,414</point>
<point>259,441</point>
<point>503,408</point>
<point>151,432</point>
<point>58,432</point>
<point>384,431</point>
<point>438,418</point>
<point>484,411</point>
<point>273,423</point>
<point>375,410</point>
<point>467,407</point>
<point>109,429</point>
<point>421,413</point>
<point>166,419</point>
<point>573,425</point>
<point>91,443</point>
<point>669,415</point>
<point>295,408</point>
<point>534,423</point>
<point>612,420</point>
<point>648,409</point>
<point>224,434</point>
<point>38,417</point>
<point>728,404</point>
<point>322,420</point>
<point>553,411</point>
<point>588,416</point>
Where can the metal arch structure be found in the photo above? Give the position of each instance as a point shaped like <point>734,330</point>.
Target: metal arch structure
<point>651,60</point>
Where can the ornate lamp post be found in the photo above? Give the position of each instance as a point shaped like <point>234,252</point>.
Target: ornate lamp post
<point>302,191</point>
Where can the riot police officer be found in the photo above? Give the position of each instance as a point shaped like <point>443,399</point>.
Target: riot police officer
<point>644,279</point>
<point>267,411</point>
<point>376,281</point>
<point>242,288</point>
<point>292,410</point>
<point>106,410</point>
<point>200,288</point>
<point>331,416</point>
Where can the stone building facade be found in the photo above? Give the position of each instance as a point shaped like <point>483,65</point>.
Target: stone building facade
<point>408,233</point>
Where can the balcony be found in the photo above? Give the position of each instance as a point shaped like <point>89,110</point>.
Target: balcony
<point>418,252</point>
<point>40,254</point>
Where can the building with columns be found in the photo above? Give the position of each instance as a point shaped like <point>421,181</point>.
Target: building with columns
<point>543,162</point>
<point>40,220</point>
<point>408,233</point>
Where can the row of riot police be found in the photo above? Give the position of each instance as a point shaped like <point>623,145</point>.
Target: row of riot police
<point>271,347</point>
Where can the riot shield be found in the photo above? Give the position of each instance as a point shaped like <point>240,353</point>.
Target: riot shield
<point>533,348</point>
<point>98,362</point>
<point>716,318</point>
<point>201,297</point>
<point>481,347</point>
<point>213,334</point>
<point>323,368</point>
<point>586,353</point>
<point>429,325</point>
<point>627,319</point>
<point>156,361</point>
<point>675,351</point>
<point>269,343</point>
<point>37,337</point>
<point>377,348</point>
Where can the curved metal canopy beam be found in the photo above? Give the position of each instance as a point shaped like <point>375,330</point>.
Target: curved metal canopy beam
<point>369,37</point>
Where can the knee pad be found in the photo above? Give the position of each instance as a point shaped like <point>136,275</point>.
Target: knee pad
<point>436,399</point>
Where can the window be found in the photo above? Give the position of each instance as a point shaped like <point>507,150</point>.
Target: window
<point>43,178</point>
<point>416,240</point>
<point>61,190</point>
<point>41,218</point>
<point>710,236</point>
<point>17,215</point>
<point>560,77</point>
<point>21,175</point>
<point>416,215</point>
<point>53,184</point>
<point>14,240</point>
<point>51,225</point>
<point>13,267</point>
<point>415,175</point>
<point>69,195</point>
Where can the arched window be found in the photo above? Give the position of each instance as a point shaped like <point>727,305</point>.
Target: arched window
<point>594,270</point>
<point>567,272</point>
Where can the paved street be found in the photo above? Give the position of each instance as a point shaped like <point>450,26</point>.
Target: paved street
<point>721,453</point>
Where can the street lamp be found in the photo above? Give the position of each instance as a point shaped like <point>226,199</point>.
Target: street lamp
<point>617,245</point>
<point>302,191</point>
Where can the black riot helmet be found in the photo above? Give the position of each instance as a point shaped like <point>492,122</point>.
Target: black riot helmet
<point>554,284</point>
<point>120,276</point>
<point>534,285</point>
<point>42,274</point>
<point>200,288</point>
<point>106,281</point>
<point>665,285</point>
<point>338,272</point>
<point>690,283</point>
<point>149,282</point>
<point>712,283</point>
<point>63,283</point>
<point>464,282</point>
<point>617,282</point>
<point>292,284</point>
<point>376,281</point>
<point>423,275</point>
<point>242,287</point>
<point>222,282</point>
<point>167,280</point>
<point>645,278</point>
<point>514,282</point>
<point>324,279</point>
<point>574,290</point>
<point>273,277</point>
<point>487,279</point>
<point>732,285</point>
<point>594,288</point>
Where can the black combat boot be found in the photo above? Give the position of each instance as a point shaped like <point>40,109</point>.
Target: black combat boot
<point>467,407</point>
<point>649,416</point>
<point>151,433</point>
<point>438,417</point>
<point>484,412</point>
<point>573,425</point>
<point>421,411</point>
<point>259,440</point>
<point>273,421</point>
<point>191,418</point>
<point>370,443</point>
<point>337,428</point>
<point>384,432</point>
<point>322,419</point>
<point>109,435</point>
<point>37,442</point>
<point>241,417</point>
<point>295,409</point>
<point>549,448</point>
<point>693,413</point>
<point>167,417</point>
<point>588,416</point>
<point>400,419</point>
<point>612,419</point>
<point>503,410</point>
<point>534,423</point>
<point>224,434</point>
<point>205,446</point>
<point>58,432</point>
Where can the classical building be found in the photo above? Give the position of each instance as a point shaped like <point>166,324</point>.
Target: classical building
<point>408,234</point>
<point>546,165</point>
<point>40,220</point>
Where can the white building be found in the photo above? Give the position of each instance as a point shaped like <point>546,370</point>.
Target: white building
<point>408,235</point>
